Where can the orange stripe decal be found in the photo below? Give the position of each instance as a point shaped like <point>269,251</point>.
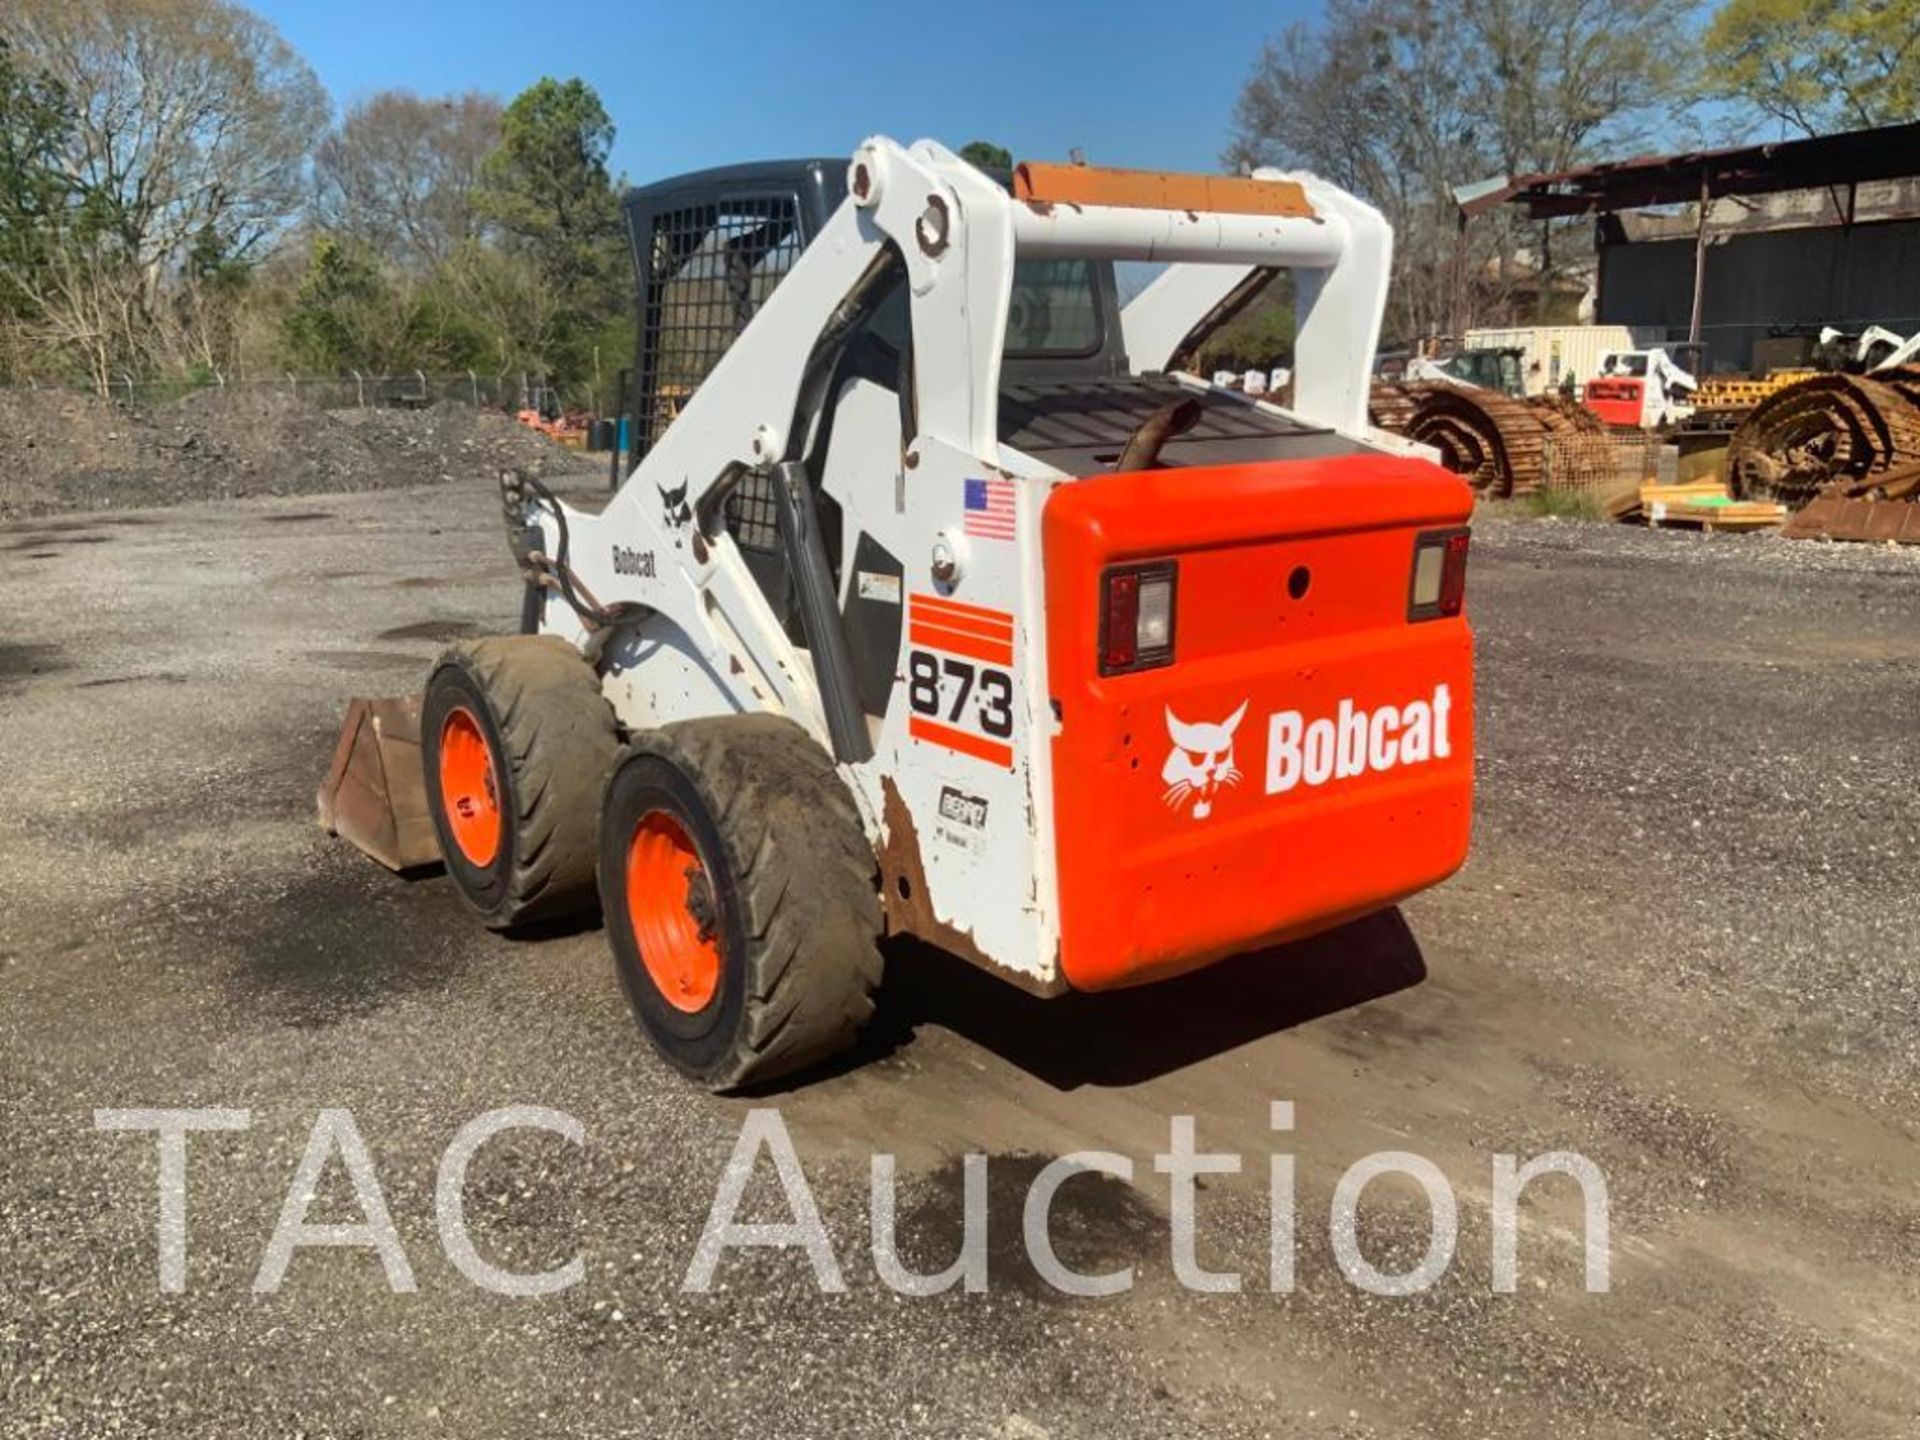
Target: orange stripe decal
<point>966,624</point>
<point>933,732</point>
<point>960,607</point>
<point>947,602</point>
<point>974,647</point>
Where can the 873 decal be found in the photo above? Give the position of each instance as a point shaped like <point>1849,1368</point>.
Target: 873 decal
<point>979,696</point>
<point>959,677</point>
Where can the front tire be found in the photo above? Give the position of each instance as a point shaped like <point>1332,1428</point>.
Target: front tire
<point>517,742</point>
<point>740,898</point>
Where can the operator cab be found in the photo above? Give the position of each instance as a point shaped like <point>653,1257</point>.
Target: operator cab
<point>711,246</point>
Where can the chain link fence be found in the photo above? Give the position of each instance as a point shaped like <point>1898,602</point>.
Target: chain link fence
<point>1604,472</point>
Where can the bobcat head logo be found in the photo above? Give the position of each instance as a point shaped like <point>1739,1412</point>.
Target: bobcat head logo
<point>1200,764</point>
<point>674,507</point>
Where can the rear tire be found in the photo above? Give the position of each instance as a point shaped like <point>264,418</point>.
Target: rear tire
<point>740,897</point>
<point>517,742</point>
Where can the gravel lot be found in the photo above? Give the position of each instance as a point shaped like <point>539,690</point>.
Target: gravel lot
<point>1684,947</point>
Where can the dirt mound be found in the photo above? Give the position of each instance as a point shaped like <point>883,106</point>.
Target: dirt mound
<point>65,451</point>
<point>49,436</point>
<point>459,432</point>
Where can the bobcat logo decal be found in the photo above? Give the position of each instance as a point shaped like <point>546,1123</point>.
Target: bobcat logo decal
<point>673,504</point>
<point>1200,765</point>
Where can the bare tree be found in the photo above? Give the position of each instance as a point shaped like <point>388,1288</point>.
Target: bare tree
<point>399,174</point>
<point>194,121</point>
<point>87,303</point>
<point>1402,100</point>
<point>1574,81</point>
<point>1376,98</point>
<point>511,297</point>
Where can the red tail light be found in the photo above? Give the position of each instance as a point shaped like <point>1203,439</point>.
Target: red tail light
<point>1438,586</point>
<point>1136,617</point>
<point>1453,579</point>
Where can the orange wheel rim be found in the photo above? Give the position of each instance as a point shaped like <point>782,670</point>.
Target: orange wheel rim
<point>673,911</point>
<point>469,791</point>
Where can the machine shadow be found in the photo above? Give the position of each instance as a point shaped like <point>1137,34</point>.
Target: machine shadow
<point>433,878</point>
<point>1124,1037</point>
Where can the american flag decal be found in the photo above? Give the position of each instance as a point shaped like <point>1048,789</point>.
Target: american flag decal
<point>990,509</point>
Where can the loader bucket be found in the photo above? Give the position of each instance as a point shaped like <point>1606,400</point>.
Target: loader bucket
<point>374,793</point>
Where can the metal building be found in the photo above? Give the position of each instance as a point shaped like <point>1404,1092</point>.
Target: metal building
<point>1748,251</point>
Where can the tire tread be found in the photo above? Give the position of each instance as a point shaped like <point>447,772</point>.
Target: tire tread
<point>561,742</point>
<point>810,907</point>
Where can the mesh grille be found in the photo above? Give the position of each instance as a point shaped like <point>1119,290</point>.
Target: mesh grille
<point>709,268</point>
<point>750,517</point>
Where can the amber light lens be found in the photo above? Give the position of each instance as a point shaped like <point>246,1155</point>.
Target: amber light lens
<point>1439,585</point>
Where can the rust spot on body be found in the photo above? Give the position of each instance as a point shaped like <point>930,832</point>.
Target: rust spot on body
<point>907,904</point>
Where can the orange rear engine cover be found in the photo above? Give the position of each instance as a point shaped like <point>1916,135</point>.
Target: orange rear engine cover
<point>1306,758</point>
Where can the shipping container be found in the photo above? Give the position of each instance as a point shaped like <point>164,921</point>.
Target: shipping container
<point>1550,353</point>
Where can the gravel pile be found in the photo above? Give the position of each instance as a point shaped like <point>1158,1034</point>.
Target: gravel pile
<point>64,451</point>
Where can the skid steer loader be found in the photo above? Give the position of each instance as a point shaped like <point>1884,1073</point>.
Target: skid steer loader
<point>939,600</point>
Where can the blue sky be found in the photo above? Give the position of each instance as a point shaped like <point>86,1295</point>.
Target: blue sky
<point>702,83</point>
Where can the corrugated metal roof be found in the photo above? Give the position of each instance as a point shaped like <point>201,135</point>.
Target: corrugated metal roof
<point>1855,156</point>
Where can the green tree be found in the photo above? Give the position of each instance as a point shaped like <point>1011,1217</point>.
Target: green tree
<point>36,120</point>
<point>70,299</point>
<point>344,316</point>
<point>351,311</point>
<point>206,300</point>
<point>1258,339</point>
<point>546,188</point>
<point>513,311</point>
<point>985,155</point>
<point>1817,65</point>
